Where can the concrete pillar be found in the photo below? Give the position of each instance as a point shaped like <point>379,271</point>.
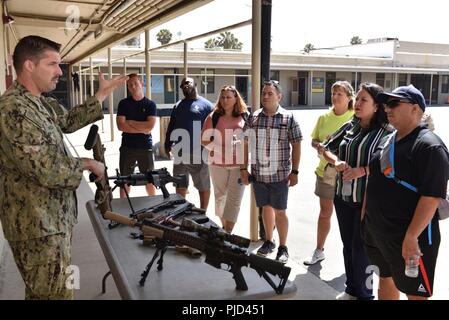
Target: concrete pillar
<point>91,69</point>
<point>185,60</point>
<point>255,92</point>
<point>310,89</point>
<point>124,72</point>
<point>147,63</point>
<point>111,96</point>
<point>80,77</point>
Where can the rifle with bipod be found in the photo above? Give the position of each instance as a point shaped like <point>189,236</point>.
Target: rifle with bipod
<point>217,250</point>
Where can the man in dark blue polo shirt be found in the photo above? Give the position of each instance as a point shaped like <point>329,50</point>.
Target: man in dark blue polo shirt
<point>136,117</point>
<point>184,130</point>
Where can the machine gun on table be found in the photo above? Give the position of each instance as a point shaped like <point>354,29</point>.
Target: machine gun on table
<point>217,247</point>
<point>103,195</point>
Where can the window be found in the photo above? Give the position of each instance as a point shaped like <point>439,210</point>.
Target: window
<point>207,81</point>
<point>402,81</point>
<point>380,79</point>
<point>274,75</point>
<point>445,84</point>
<point>355,76</point>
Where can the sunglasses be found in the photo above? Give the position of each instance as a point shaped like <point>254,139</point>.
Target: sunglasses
<point>272,83</point>
<point>185,83</point>
<point>394,103</point>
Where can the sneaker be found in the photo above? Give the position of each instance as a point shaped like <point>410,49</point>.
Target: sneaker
<point>317,256</point>
<point>282,255</point>
<point>345,296</point>
<point>267,248</point>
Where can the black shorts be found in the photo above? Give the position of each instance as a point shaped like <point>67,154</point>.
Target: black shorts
<point>385,253</point>
<point>130,156</point>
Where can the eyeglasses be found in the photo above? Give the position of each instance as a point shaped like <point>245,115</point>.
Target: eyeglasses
<point>394,103</point>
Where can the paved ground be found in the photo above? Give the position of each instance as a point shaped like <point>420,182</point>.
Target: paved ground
<point>322,281</point>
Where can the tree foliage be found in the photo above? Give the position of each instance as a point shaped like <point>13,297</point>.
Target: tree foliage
<point>164,36</point>
<point>225,40</point>
<point>308,47</point>
<point>356,40</point>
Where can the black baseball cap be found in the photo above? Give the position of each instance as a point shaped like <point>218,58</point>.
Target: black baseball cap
<point>406,92</point>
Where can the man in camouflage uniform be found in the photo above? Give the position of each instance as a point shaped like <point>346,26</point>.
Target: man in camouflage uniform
<point>38,176</point>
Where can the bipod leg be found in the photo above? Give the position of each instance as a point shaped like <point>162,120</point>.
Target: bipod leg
<point>129,201</point>
<point>145,272</point>
<point>161,259</point>
<point>160,246</point>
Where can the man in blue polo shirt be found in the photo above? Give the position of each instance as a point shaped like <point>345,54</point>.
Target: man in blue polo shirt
<point>136,116</point>
<point>184,130</point>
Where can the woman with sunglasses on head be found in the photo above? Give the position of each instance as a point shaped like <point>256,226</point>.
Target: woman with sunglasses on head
<point>221,135</point>
<point>349,150</point>
<point>341,112</point>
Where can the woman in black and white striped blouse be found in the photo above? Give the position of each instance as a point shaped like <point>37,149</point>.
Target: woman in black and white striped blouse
<point>350,150</point>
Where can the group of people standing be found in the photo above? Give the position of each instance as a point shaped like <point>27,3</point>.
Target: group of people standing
<point>381,222</point>
<point>382,168</point>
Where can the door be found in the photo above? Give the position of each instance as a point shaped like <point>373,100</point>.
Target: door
<point>169,89</point>
<point>302,91</point>
<point>241,84</point>
<point>330,80</point>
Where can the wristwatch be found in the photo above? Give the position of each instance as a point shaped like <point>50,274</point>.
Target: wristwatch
<point>295,172</point>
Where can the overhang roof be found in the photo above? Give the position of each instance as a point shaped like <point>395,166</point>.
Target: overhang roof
<point>102,23</point>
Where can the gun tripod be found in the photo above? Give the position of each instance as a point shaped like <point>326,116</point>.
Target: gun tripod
<point>161,247</point>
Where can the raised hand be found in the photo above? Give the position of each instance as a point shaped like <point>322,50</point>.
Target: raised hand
<point>106,87</point>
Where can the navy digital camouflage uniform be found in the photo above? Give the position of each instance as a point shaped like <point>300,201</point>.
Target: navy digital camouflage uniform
<point>38,180</point>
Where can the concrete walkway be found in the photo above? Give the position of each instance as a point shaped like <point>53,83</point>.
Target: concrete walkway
<point>322,281</point>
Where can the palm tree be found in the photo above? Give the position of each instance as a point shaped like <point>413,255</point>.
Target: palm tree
<point>211,43</point>
<point>356,40</point>
<point>164,36</point>
<point>226,40</point>
<point>309,47</point>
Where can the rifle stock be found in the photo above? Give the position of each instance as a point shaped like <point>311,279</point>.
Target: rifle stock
<point>120,219</point>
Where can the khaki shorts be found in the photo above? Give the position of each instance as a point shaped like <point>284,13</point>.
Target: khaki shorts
<point>323,190</point>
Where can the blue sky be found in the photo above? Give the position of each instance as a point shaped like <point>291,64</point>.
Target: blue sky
<point>322,23</point>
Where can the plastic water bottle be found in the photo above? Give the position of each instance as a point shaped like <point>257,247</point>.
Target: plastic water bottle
<point>346,189</point>
<point>412,267</point>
